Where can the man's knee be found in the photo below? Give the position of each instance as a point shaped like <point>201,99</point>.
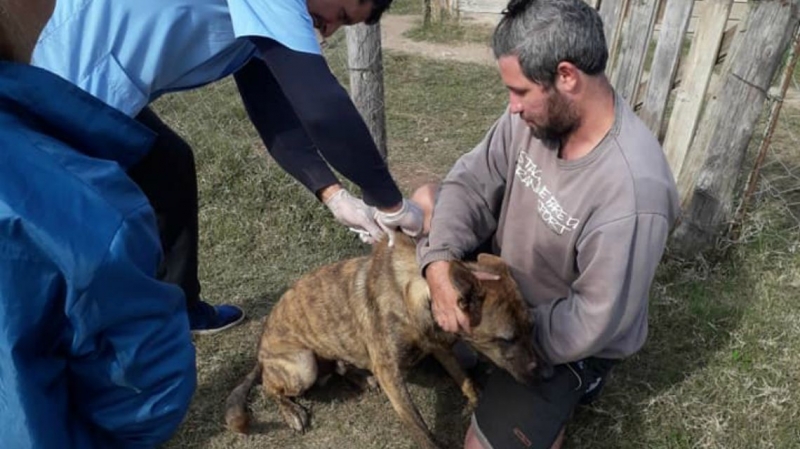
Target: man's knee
<point>471,440</point>
<point>425,197</point>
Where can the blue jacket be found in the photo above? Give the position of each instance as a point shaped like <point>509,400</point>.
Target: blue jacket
<point>94,352</point>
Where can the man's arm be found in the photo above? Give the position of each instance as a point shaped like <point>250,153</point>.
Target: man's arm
<point>464,216</point>
<point>470,198</point>
<point>617,262</point>
<point>132,359</point>
<point>326,114</point>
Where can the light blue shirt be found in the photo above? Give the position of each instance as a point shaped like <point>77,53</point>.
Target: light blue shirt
<point>129,52</point>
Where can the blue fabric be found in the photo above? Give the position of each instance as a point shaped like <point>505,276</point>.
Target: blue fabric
<point>128,53</point>
<point>94,352</point>
<point>284,21</point>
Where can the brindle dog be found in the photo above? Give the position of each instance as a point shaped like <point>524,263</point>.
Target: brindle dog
<point>373,313</point>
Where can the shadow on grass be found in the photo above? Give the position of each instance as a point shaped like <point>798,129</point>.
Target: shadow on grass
<point>223,361</point>
<point>692,316</point>
<point>449,422</point>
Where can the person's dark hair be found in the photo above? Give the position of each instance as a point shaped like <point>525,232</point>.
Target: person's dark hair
<point>378,8</point>
<point>544,33</point>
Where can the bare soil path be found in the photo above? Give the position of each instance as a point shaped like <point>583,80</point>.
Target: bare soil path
<point>393,27</point>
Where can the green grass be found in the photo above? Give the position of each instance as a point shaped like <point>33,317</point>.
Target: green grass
<point>406,7</point>
<point>719,369</point>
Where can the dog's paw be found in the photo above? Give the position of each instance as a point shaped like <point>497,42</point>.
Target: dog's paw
<point>361,381</point>
<point>295,416</point>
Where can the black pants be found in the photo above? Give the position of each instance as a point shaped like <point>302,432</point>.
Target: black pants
<point>511,415</point>
<point>168,178</point>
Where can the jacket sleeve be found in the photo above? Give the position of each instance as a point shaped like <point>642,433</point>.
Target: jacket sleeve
<point>469,199</point>
<point>33,391</point>
<point>280,129</point>
<point>617,262</point>
<point>328,116</point>
<point>132,359</point>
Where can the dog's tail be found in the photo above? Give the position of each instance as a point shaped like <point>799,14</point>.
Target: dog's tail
<point>237,417</point>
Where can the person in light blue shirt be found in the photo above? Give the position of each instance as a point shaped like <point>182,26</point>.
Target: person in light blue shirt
<point>95,351</point>
<point>129,53</point>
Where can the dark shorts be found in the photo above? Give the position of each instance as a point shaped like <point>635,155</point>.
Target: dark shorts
<point>511,415</point>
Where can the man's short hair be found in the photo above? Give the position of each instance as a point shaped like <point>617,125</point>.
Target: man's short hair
<point>544,33</point>
<point>378,8</point>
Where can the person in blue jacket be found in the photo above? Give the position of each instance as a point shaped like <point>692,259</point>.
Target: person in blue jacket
<point>95,351</point>
<point>129,53</point>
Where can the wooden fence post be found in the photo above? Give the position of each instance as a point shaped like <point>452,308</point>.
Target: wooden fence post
<point>665,62</point>
<point>758,54</point>
<point>633,43</point>
<point>772,121</point>
<point>365,64</point>
<point>612,13</point>
<point>691,94</point>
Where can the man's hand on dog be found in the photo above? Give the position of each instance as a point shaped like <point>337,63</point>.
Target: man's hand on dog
<point>444,298</point>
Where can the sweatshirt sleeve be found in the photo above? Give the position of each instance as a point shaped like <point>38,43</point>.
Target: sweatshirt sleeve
<point>132,358</point>
<point>617,262</point>
<point>469,198</point>
<point>331,120</point>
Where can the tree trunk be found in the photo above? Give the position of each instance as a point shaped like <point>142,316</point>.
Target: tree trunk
<point>365,62</point>
<point>426,13</point>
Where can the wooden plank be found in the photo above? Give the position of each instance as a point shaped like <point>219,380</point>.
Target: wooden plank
<point>634,41</point>
<point>611,13</point>
<point>690,94</point>
<point>757,55</point>
<point>738,12</point>
<point>722,56</point>
<point>696,155</point>
<point>665,62</point>
<point>702,138</point>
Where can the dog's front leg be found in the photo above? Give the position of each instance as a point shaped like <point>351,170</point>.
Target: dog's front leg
<point>391,381</point>
<point>450,363</point>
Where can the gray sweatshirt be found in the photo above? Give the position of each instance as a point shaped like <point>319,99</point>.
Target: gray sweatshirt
<point>583,238</point>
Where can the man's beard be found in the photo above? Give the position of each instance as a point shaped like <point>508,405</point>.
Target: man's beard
<point>562,120</point>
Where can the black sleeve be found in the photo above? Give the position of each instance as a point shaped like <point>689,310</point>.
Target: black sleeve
<point>279,127</point>
<point>327,115</point>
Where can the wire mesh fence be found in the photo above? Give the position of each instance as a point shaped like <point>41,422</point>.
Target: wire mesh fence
<point>776,200</point>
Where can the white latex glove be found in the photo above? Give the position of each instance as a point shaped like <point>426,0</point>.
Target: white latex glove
<point>353,213</point>
<point>409,219</point>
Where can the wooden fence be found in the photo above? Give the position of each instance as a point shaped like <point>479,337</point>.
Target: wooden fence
<point>698,73</point>
<point>702,93</point>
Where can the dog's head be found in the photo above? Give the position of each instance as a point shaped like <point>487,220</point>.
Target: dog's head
<point>502,328</point>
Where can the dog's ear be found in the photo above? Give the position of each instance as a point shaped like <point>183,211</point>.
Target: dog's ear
<point>470,291</point>
<point>493,264</point>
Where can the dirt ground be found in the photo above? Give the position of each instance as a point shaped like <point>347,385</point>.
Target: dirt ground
<point>393,27</point>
